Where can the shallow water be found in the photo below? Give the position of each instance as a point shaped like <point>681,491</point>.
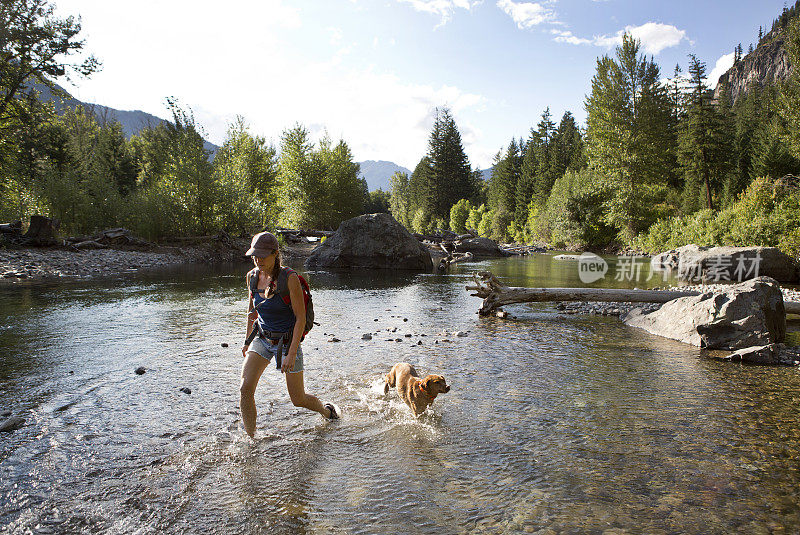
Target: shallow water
<point>573,424</point>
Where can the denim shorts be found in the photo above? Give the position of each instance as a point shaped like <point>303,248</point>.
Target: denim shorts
<point>267,349</point>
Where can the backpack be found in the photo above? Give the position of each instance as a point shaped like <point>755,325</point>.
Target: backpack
<point>282,289</point>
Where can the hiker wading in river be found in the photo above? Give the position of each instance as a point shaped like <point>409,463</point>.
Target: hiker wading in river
<point>279,329</point>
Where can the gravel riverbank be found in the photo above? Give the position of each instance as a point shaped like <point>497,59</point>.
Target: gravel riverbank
<point>61,263</point>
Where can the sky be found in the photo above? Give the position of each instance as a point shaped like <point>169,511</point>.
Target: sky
<point>372,72</point>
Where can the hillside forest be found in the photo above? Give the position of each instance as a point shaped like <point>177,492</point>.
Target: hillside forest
<point>660,162</point>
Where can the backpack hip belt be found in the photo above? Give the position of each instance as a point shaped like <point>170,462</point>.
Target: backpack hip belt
<point>282,339</point>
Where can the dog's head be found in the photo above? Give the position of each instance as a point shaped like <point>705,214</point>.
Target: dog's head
<point>435,385</point>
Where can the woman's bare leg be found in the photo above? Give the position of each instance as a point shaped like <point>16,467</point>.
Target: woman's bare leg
<point>252,368</point>
<point>297,391</point>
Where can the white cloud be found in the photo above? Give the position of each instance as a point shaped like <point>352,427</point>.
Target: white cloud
<point>526,14</point>
<point>443,8</point>
<point>566,36</point>
<point>723,64</point>
<point>336,35</point>
<point>654,36</point>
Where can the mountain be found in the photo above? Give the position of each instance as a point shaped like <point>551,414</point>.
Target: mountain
<point>767,65</point>
<point>132,121</point>
<point>378,172</point>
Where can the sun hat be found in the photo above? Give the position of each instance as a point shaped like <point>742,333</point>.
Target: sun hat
<point>263,244</point>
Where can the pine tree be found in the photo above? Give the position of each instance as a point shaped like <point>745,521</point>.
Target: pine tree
<point>450,177</point>
<point>705,142</point>
<point>545,172</point>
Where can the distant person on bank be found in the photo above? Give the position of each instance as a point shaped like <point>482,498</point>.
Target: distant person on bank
<point>279,325</point>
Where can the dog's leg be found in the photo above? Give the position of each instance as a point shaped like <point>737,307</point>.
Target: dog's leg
<point>390,381</point>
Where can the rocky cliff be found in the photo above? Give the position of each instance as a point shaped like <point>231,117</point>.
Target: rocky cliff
<point>766,65</point>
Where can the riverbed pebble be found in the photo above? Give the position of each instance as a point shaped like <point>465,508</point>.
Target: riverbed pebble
<point>366,336</point>
<point>140,370</point>
<point>12,424</point>
<point>186,390</point>
<point>603,308</point>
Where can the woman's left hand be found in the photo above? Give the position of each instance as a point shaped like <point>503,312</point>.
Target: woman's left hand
<point>288,362</point>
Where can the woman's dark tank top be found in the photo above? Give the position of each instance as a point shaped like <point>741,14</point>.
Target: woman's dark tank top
<point>273,314</point>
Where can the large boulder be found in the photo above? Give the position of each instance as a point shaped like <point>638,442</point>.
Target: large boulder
<point>742,315</point>
<point>480,247</point>
<point>374,241</point>
<point>715,264</point>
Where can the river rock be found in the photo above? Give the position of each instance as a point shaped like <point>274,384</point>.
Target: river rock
<point>734,263</point>
<point>186,390</point>
<point>12,424</point>
<point>568,257</point>
<point>483,247</point>
<point>742,315</point>
<point>771,354</point>
<point>366,336</point>
<point>140,370</point>
<point>374,241</point>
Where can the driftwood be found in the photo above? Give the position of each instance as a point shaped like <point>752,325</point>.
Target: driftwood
<point>495,295</point>
<point>305,233</point>
<point>14,228</point>
<point>447,261</point>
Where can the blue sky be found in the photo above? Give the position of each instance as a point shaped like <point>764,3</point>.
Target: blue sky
<point>372,71</point>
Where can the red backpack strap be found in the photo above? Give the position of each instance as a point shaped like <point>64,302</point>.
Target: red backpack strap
<point>282,284</point>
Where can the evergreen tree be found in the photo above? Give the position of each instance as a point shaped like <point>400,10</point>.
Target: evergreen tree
<point>705,142</point>
<point>630,136</point>
<point>150,149</point>
<point>505,175</point>
<point>115,157</point>
<point>450,176</point>
<point>378,201</point>
<point>546,174</point>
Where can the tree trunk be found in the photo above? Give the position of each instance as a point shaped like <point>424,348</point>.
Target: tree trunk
<point>495,295</point>
<point>42,231</point>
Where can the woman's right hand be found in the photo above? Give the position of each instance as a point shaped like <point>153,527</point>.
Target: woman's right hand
<point>244,350</point>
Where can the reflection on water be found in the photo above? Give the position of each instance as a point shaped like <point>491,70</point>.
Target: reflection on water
<point>573,424</point>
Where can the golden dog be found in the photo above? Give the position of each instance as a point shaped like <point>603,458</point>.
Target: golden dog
<point>417,393</point>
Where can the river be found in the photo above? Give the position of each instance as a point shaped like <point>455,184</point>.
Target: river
<point>553,424</point>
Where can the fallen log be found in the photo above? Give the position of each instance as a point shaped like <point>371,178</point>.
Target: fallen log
<point>495,295</point>
<point>11,228</point>
<point>305,233</point>
<point>446,262</point>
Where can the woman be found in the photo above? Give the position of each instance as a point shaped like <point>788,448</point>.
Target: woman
<point>275,318</point>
